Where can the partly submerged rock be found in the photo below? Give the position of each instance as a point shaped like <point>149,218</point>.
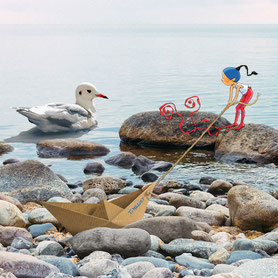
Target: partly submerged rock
<point>152,128</point>
<point>124,159</point>
<point>93,168</point>
<point>70,148</point>
<point>5,148</point>
<point>254,143</point>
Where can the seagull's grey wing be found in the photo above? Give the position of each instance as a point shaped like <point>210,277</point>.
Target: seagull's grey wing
<point>66,114</point>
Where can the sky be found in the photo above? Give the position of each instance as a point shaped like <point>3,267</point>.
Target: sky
<point>138,12</point>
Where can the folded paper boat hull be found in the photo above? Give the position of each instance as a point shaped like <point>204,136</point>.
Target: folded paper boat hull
<point>77,217</point>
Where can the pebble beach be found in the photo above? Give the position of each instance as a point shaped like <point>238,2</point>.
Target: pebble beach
<point>216,228</point>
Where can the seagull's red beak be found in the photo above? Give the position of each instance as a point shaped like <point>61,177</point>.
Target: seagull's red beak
<point>101,95</point>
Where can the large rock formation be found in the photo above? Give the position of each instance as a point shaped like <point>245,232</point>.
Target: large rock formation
<point>154,129</point>
<point>253,143</point>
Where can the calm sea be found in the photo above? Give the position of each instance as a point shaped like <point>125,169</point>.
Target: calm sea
<point>139,68</point>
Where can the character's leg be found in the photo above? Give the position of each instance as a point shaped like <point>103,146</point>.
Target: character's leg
<point>242,110</point>
<point>236,118</point>
<point>238,110</point>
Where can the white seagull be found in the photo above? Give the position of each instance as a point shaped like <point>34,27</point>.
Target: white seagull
<point>56,117</point>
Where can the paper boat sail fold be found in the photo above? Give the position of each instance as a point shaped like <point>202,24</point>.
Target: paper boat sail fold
<point>77,217</point>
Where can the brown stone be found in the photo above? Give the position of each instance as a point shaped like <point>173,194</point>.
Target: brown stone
<point>252,209</point>
<point>70,148</point>
<point>153,128</point>
<point>108,184</point>
<point>219,187</point>
<point>5,148</point>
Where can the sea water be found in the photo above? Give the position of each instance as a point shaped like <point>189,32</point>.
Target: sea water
<point>139,67</point>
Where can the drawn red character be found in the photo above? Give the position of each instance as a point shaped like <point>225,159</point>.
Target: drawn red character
<point>230,77</point>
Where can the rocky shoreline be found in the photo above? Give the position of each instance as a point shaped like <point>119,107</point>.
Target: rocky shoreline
<point>254,143</point>
<point>216,229</point>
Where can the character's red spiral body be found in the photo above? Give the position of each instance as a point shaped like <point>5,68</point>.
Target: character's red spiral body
<point>168,109</point>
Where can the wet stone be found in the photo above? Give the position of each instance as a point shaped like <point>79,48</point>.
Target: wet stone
<point>94,168</point>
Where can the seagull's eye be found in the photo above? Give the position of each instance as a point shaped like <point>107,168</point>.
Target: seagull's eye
<point>80,93</point>
<point>89,91</point>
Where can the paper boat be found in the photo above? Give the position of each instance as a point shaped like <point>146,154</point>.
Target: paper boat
<point>117,213</point>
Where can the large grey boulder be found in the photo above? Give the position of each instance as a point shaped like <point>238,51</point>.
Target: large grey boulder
<point>251,208</point>
<point>152,128</point>
<point>254,143</point>
<point>127,242</point>
<point>19,180</point>
<point>167,228</point>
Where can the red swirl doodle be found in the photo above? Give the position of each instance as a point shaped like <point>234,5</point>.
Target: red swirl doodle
<point>167,110</point>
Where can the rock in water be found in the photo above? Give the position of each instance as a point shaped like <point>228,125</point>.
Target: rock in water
<point>5,148</point>
<point>167,228</point>
<point>253,143</point>
<point>31,181</point>
<point>124,159</point>
<point>151,128</point>
<point>93,167</point>
<point>251,208</point>
<point>70,148</point>
<point>25,266</point>
<point>129,242</point>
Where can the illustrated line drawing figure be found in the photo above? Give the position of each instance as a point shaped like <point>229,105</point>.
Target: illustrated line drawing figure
<point>230,77</point>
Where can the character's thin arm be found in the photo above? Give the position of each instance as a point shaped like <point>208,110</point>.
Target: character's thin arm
<point>231,94</point>
<point>237,92</point>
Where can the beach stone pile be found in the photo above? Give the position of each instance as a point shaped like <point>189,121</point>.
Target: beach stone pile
<point>216,229</point>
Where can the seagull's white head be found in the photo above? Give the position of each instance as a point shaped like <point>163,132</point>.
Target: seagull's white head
<point>85,93</point>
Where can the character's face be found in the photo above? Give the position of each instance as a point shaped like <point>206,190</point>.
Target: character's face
<point>227,81</point>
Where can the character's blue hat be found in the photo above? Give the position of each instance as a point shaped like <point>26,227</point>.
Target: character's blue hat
<point>231,73</point>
